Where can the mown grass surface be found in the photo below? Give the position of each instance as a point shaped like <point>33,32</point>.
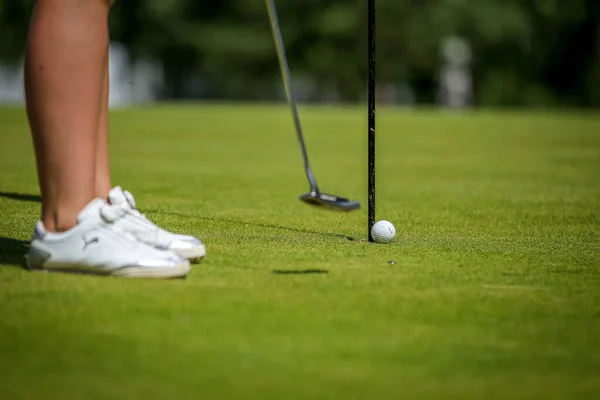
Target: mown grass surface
<point>495,291</point>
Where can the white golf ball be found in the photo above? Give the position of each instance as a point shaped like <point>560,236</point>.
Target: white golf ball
<point>383,232</point>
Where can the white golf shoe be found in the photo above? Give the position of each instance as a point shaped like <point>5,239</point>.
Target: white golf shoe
<point>101,244</point>
<point>186,246</point>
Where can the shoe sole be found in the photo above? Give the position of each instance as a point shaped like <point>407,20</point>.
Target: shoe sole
<point>177,271</point>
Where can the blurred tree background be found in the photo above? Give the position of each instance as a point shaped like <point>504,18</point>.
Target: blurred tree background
<point>524,52</point>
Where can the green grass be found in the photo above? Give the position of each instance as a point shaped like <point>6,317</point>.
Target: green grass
<point>495,293</point>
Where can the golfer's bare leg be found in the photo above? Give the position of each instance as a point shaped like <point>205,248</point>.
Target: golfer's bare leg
<point>103,181</point>
<point>65,60</point>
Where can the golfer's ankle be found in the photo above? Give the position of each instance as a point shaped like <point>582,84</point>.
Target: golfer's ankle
<point>102,192</point>
<point>59,219</point>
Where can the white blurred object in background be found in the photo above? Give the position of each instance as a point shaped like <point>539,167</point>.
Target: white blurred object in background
<point>456,82</point>
<point>130,83</point>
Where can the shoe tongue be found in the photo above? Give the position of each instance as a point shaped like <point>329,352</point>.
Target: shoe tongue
<point>117,197</point>
<point>91,210</point>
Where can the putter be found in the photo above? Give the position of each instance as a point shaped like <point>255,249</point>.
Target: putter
<point>314,197</point>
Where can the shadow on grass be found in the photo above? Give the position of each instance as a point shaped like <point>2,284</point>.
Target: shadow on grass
<point>12,252</point>
<point>37,198</point>
<point>299,271</point>
<point>258,224</point>
<point>21,196</point>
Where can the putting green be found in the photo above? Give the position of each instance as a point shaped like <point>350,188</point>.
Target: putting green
<point>494,290</point>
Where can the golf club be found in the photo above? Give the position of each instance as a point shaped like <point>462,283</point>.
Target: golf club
<point>314,197</point>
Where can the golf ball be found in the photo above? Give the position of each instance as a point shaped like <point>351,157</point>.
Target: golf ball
<point>383,232</point>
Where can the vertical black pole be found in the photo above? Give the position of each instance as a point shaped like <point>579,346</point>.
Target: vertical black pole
<point>371,84</point>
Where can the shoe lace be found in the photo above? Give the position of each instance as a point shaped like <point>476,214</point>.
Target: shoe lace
<point>132,207</point>
<point>111,215</point>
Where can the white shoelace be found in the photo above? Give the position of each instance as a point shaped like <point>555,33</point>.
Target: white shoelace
<point>131,208</point>
<point>111,215</point>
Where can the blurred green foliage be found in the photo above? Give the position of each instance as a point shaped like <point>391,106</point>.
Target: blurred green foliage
<point>525,52</point>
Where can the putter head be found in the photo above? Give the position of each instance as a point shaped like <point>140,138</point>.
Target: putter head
<point>330,201</point>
